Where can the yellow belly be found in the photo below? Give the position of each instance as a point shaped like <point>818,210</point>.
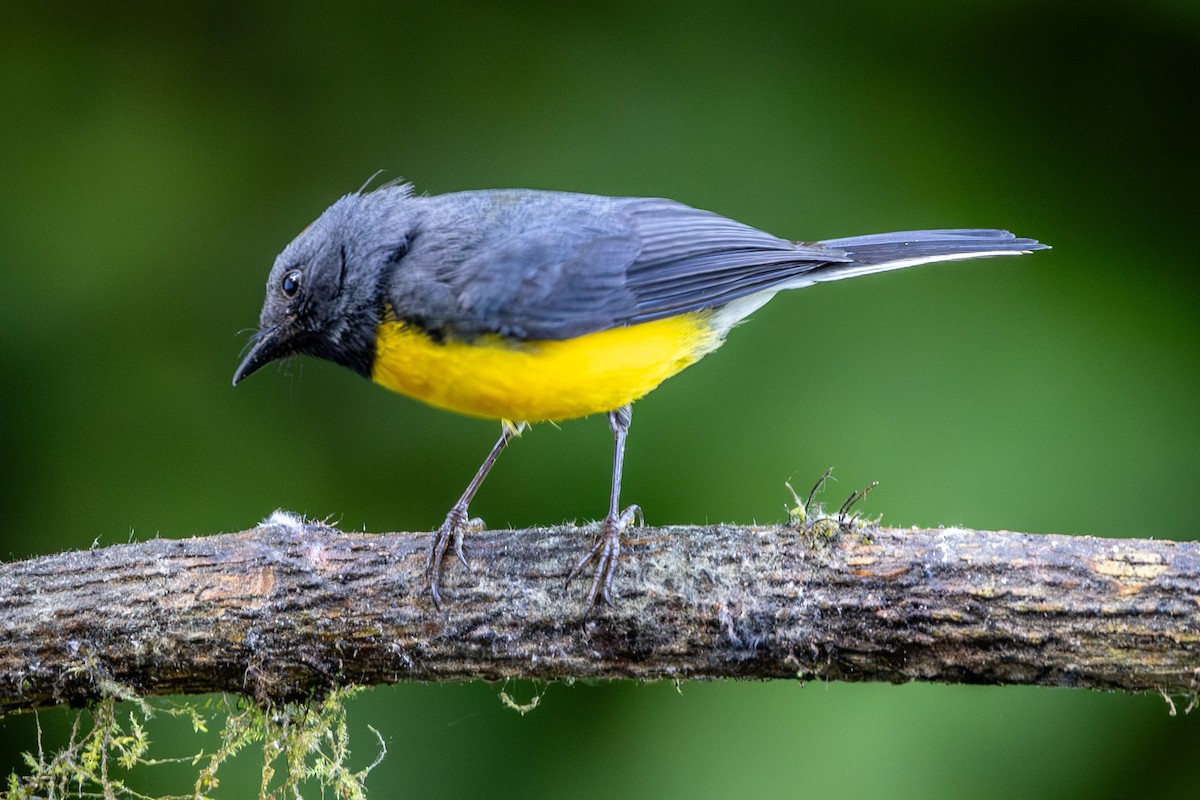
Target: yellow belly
<point>540,380</point>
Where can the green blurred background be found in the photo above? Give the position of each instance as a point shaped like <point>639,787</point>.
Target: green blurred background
<point>154,163</point>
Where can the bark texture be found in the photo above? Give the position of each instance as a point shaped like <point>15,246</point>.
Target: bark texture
<point>291,608</point>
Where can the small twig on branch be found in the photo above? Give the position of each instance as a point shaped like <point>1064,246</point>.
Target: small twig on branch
<point>293,608</point>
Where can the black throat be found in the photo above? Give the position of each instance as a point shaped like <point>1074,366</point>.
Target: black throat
<point>352,345</point>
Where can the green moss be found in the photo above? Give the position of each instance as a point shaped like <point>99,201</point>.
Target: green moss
<point>301,743</point>
<point>820,528</point>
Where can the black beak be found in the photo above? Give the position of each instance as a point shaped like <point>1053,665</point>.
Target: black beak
<point>270,344</point>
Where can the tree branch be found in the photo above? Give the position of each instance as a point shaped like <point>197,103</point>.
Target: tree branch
<point>292,608</point>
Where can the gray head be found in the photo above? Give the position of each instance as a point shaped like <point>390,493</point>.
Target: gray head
<point>324,292</point>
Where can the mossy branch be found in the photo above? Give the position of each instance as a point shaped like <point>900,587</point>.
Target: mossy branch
<point>291,609</point>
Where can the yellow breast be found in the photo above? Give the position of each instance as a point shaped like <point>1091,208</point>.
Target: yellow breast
<point>540,380</point>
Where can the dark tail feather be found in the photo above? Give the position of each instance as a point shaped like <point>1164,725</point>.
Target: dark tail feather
<point>879,252</point>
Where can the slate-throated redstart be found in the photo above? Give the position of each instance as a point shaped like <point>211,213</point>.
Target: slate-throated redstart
<point>526,306</point>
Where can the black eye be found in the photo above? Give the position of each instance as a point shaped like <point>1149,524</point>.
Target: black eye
<point>291,283</point>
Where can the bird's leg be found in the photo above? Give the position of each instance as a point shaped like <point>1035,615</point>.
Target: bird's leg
<point>457,522</point>
<point>608,547</point>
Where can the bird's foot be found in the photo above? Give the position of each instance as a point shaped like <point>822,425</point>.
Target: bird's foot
<point>605,553</point>
<point>457,523</point>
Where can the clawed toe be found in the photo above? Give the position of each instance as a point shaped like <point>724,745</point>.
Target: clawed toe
<point>605,553</point>
<point>451,530</point>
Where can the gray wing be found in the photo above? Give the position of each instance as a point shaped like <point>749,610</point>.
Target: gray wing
<point>548,265</point>
<point>692,259</point>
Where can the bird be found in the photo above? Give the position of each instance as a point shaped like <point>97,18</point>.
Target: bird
<point>527,306</point>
